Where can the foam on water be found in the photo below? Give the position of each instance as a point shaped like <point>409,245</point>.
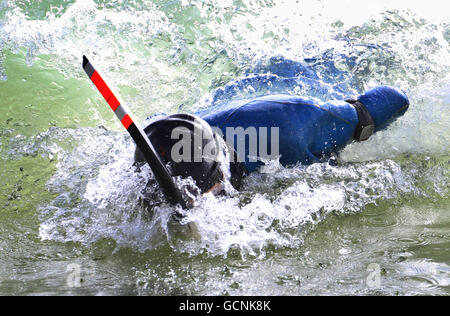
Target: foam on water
<point>98,192</point>
<point>168,54</point>
<point>172,55</point>
<point>70,193</point>
<point>146,47</point>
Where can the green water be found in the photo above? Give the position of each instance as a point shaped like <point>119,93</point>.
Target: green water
<point>378,223</point>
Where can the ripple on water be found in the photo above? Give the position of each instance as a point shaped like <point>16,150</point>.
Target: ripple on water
<point>98,197</point>
<point>427,273</point>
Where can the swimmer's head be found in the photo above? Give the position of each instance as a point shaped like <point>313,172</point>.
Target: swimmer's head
<point>189,146</point>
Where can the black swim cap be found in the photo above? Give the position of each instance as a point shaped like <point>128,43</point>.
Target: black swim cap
<point>189,146</point>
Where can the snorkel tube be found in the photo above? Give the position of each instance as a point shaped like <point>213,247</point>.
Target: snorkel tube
<point>170,190</point>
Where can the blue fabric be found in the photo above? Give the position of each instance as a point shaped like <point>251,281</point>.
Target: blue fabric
<point>309,129</point>
<point>385,104</point>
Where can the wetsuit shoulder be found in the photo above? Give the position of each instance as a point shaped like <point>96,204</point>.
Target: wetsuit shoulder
<point>342,111</point>
<point>336,130</point>
<point>267,106</point>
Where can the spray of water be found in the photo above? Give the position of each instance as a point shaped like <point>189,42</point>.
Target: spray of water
<point>171,56</point>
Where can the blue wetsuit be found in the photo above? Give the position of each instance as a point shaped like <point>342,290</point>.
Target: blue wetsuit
<point>310,130</point>
<point>265,104</point>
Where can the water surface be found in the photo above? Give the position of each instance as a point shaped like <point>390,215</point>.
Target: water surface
<point>378,223</point>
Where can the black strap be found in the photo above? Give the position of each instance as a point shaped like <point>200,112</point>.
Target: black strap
<point>366,125</point>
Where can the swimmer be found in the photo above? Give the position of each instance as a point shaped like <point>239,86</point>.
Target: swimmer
<point>293,128</point>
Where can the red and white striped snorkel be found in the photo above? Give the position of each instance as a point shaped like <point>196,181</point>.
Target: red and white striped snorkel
<point>162,175</point>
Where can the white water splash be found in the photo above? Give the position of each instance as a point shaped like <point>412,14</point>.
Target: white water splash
<point>151,52</point>
<point>100,200</point>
